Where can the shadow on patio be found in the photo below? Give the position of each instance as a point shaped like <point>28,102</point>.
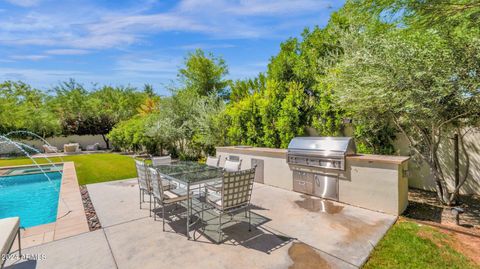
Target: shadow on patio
<point>234,228</point>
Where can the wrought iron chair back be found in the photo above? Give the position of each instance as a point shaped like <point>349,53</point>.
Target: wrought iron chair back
<point>157,186</point>
<point>237,188</point>
<point>142,176</point>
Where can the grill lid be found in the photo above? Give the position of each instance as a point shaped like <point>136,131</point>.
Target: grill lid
<point>324,145</point>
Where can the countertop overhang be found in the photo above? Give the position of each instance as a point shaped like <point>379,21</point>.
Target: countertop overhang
<point>282,153</point>
<point>257,151</point>
<point>391,159</point>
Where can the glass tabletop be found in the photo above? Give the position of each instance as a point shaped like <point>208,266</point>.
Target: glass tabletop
<point>190,172</point>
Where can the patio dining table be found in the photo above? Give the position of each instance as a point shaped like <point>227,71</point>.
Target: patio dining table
<point>192,175</point>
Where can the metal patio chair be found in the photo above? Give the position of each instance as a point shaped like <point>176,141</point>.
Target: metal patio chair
<point>162,196</point>
<point>213,161</point>
<point>144,183</point>
<point>235,195</point>
<point>229,166</point>
<point>232,166</point>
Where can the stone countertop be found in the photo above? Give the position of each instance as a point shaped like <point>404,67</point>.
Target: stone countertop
<point>282,153</point>
<point>379,158</point>
<point>268,152</point>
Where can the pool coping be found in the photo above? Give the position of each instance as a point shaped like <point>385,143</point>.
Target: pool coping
<point>71,219</point>
<point>6,168</point>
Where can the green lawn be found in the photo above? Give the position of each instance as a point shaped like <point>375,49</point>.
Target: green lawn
<point>410,245</point>
<point>91,168</point>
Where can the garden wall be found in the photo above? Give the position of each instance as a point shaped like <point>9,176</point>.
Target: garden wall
<point>59,141</point>
<point>420,176</point>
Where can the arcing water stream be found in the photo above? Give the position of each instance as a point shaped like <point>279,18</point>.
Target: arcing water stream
<point>4,140</point>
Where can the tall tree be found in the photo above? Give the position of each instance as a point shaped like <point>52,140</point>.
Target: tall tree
<point>25,108</point>
<point>204,74</point>
<point>425,82</point>
<point>292,97</point>
<point>97,111</point>
<point>188,123</point>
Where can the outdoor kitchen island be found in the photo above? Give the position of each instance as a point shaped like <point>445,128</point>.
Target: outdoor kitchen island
<point>375,182</point>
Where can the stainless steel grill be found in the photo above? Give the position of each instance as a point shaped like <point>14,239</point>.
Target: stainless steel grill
<point>307,154</point>
<point>322,152</point>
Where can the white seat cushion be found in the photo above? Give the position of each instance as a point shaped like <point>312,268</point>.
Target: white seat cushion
<point>8,231</point>
<point>232,166</point>
<point>171,197</point>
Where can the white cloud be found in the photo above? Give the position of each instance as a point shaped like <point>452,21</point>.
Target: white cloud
<point>40,77</point>
<point>254,7</point>
<point>67,52</point>
<point>47,78</point>
<point>24,3</point>
<point>142,23</point>
<point>29,57</point>
<point>90,27</point>
<point>162,66</point>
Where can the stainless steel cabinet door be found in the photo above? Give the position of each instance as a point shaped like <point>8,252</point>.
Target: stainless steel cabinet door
<point>303,182</point>
<point>326,186</point>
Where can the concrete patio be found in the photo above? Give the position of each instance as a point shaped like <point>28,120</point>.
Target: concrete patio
<point>295,231</point>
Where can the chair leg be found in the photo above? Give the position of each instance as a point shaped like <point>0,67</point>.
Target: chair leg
<point>150,204</point>
<point>249,220</point>
<point>140,199</point>
<point>19,244</point>
<point>219,228</point>
<point>154,208</point>
<point>163,217</point>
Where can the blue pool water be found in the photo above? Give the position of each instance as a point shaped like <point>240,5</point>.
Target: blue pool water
<point>32,197</point>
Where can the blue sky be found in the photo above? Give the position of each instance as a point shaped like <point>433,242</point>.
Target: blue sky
<point>134,42</point>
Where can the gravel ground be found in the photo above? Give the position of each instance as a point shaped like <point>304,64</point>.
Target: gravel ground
<point>93,222</point>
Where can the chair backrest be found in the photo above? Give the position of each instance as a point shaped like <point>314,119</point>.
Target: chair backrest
<point>232,166</point>
<point>237,188</point>
<point>164,160</point>
<point>142,176</point>
<point>157,186</point>
<point>213,161</point>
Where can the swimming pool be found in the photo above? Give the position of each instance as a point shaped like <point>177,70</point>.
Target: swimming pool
<point>32,197</point>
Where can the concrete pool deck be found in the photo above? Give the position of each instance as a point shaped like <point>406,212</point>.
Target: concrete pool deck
<point>295,230</point>
<point>71,218</point>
